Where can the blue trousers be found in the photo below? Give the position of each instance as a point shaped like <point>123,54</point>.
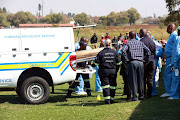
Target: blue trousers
<point>154,90</point>
<point>97,81</point>
<point>81,87</point>
<point>175,84</point>
<point>168,75</point>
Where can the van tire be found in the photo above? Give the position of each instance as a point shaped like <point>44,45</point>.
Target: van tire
<point>35,90</point>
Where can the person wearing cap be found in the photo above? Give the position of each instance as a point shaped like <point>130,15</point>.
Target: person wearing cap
<point>127,36</point>
<point>137,36</point>
<point>135,53</point>
<point>179,30</point>
<point>107,36</point>
<point>79,90</point>
<point>107,60</point>
<point>85,77</point>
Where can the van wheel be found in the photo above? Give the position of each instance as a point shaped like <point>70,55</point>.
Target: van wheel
<point>35,90</point>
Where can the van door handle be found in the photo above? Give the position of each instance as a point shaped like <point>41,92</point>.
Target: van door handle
<point>13,49</point>
<point>26,48</point>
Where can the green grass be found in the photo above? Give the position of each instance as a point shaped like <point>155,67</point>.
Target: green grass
<point>88,108</point>
<point>115,31</point>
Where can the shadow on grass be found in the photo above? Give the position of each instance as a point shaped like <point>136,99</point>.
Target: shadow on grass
<point>89,103</point>
<point>13,99</point>
<point>157,108</point>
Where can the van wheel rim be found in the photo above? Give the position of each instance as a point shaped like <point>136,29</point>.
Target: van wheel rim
<point>35,91</point>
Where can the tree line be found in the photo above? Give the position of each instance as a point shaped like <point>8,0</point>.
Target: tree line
<point>113,19</point>
<point>174,11</point>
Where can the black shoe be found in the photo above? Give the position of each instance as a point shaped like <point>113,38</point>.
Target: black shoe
<point>67,96</point>
<point>111,101</point>
<point>89,94</point>
<point>107,102</point>
<point>134,99</point>
<point>141,98</point>
<point>128,100</point>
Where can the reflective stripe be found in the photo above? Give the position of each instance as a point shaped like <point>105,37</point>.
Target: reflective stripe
<point>112,98</point>
<point>86,80</point>
<point>112,87</point>
<point>106,86</point>
<point>96,64</point>
<point>119,63</point>
<point>71,89</point>
<point>107,97</point>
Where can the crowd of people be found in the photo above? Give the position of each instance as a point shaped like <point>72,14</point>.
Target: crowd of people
<point>140,56</point>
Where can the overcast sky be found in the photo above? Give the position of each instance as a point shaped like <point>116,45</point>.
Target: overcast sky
<point>91,7</point>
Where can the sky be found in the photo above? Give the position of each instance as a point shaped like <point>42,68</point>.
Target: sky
<point>91,7</point>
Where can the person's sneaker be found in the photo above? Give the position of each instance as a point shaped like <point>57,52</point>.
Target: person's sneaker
<point>81,93</point>
<point>171,98</point>
<point>165,95</point>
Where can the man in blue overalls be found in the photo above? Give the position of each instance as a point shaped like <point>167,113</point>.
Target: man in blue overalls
<point>176,68</point>
<point>169,51</point>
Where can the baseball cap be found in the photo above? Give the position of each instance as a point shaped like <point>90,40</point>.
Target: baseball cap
<point>179,28</point>
<point>83,43</point>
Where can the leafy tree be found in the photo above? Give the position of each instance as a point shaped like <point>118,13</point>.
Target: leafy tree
<point>4,10</point>
<point>96,19</point>
<point>103,20</point>
<point>0,10</point>
<point>123,18</point>
<point>133,15</point>
<point>82,19</point>
<point>112,19</point>
<point>23,18</point>
<point>10,18</point>
<point>66,19</point>
<point>174,14</point>
<point>54,18</point>
<point>3,20</point>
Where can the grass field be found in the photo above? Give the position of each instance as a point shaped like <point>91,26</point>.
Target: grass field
<point>115,31</point>
<point>88,108</point>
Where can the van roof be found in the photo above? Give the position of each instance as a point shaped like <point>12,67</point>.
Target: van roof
<point>46,25</point>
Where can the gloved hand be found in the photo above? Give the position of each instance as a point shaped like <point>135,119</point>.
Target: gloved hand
<point>119,51</point>
<point>175,65</point>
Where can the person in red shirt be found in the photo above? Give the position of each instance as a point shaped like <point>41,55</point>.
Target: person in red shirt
<point>107,36</point>
<point>125,41</point>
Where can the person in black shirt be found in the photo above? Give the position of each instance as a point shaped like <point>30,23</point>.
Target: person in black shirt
<point>115,42</point>
<point>150,66</point>
<point>85,77</point>
<point>94,40</point>
<point>108,59</point>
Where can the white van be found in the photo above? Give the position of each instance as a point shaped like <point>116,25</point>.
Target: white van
<point>32,59</point>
